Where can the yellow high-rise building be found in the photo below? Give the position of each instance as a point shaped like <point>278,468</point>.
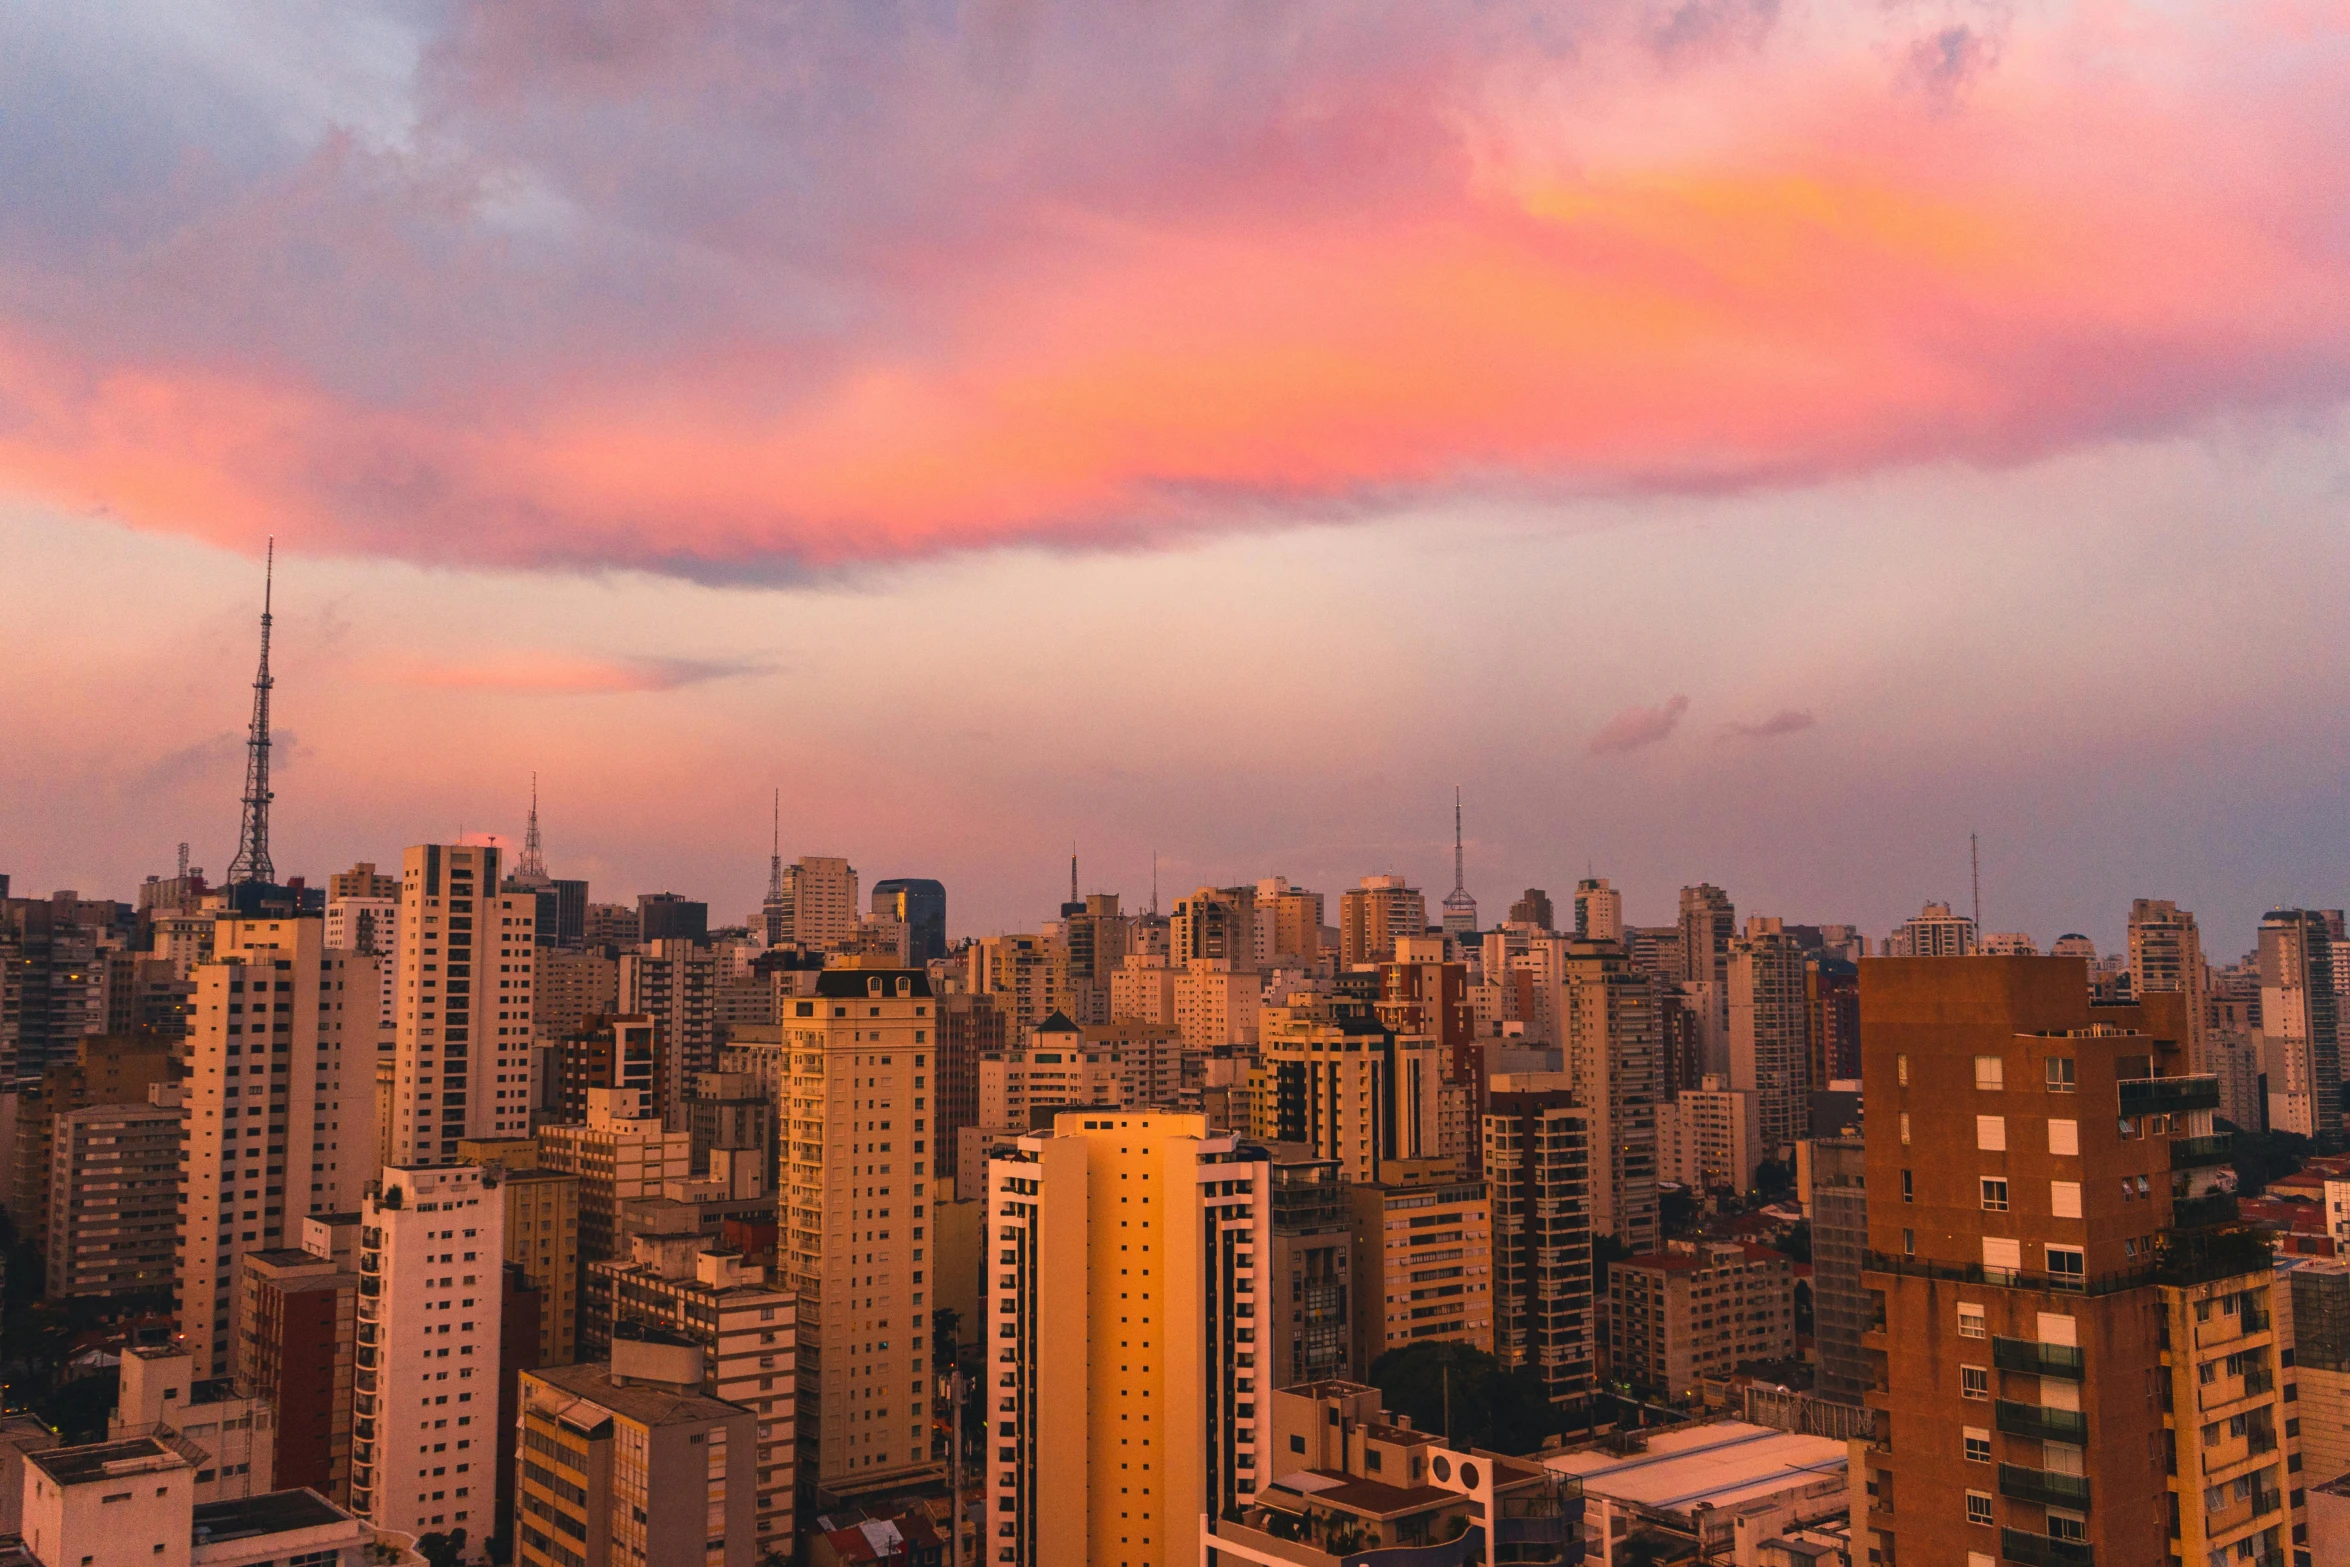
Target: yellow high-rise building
<point>1121,1332</point>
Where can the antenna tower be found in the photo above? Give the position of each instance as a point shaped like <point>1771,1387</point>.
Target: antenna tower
<point>775,857</point>
<point>533,868</point>
<point>183,862</point>
<point>252,862</point>
<point>1073,898</point>
<point>1459,883</point>
<point>1974,854</point>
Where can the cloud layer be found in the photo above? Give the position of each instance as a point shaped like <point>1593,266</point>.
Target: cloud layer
<point>728,289</point>
<point>1635,727</point>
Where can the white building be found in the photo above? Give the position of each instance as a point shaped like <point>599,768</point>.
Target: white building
<point>371,925</point>
<point>424,1444</point>
<point>1727,1486</point>
<point>1709,1137</point>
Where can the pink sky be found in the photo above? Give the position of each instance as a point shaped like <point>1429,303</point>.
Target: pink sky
<point>863,307</point>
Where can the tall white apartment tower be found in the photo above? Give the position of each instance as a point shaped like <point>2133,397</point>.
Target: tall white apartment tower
<point>2300,1023</point>
<point>1122,1323</point>
<point>462,1046</point>
<point>2166,953</point>
<point>278,1110</point>
<point>424,1439</point>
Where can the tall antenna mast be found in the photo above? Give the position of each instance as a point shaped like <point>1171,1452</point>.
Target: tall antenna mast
<point>183,862</point>
<point>534,863</point>
<point>1459,884</point>
<point>1974,853</point>
<point>1073,898</point>
<point>775,856</point>
<point>1154,883</point>
<point>252,863</point>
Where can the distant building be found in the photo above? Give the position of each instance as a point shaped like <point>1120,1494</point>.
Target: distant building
<point>1372,916</point>
<point>1934,932</point>
<point>1832,1174</point>
<point>1423,1259</point>
<point>1599,910</point>
<point>1770,1030</point>
<point>1537,1165</point>
<point>1311,1273</point>
<point>670,916</point>
<point>2299,1024</point>
<point>920,905</point>
<point>1696,1309</point>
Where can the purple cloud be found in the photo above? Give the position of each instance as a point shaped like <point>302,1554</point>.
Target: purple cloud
<point>1635,727</point>
<point>1786,721</point>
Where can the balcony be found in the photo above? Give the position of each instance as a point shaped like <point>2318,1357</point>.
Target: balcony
<point>2034,1358</point>
<point>2266,1502</point>
<point>2041,1423</point>
<point>2188,1153</point>
<point>2038,1550</point>
<point>2168,1095</point>
<point>2043,1486</point>
<point>2197,1213</point>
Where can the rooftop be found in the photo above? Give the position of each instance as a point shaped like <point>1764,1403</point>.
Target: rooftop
<point>1721,1465</point>
<point>649,1406</point>
<point>1371,1498</point>
<point>272,1512</point>
<point>103,1460</point>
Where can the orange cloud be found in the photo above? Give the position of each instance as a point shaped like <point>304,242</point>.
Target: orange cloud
<point>1783,261</point>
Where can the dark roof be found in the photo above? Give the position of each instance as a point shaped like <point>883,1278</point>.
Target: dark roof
<point>272,1512</point>
<point>80,1465</point>
<point>847,984</point>
<point>1058,1023</point>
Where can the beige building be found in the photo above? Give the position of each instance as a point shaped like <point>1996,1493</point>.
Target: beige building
<point>569,988</point>
<point>1606,1014</point>
<point>853,1224</point>
<point>1143,989</point>
<point>1121,1330</point>
<point>362,880</point>
<point>1372,916</point>
<point>1709,1137</point>
<point>820,900</point>
<point>1698,1309</point>
<point>2166,954</point>
<point>462,1045</point>
<point>1055,1067</point>
<point>1770,1030</point>
<point>674,982</point>
<point>627,1461</point>
<point>747,1331</point>
<point>542,1236</point>
<point>622,1153</point>
<point>1289,925</point>
<point>1027,977</point>
<point>278,1118</point>
<point>1423,1259</point>
<point>230,1433</point>
<point>1216,1005</point>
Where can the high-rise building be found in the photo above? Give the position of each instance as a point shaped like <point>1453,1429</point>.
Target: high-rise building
<point>569,988</point>
<point>1698,1309</point>
<point>1538,1180</point>
<point>52,978</point>
<point>822,892</point>
<point>542,1237</point>
<point>298,1329</point>
<point>1832,1174</point>
<point>621,1153</point>
<point>279,1113</point>
<point>1599,910</point>
<point>1608,1033</point>
<point>1334,1080</point>
<point>610,925</point>
<point>671,916</point>
<point>968,1028</point>
<point>1708,925</point>
<point>114,1175</point>
<point>1935,932</point>
<point>1533,909</point>
<point>1770,1030</point>
<point>1709,1138</point>
<point>1372,916</point>
<point>425,1433</point>
<point>362,881</point>
<point>1312,1283</point>
<point>1124,1306</point>
<point>674,982</point>
<point>2299,1024</point>
<point>1289,922</point>
<point>371,924</point>
<point>2041,1186</point>
<point>103,1070</point>
<point>1423,1259</point>
<point>747,1330</point>
<point>462,1044</point>
<point>2166,954</point>
<point>1216,1004</point>
<point>626,1460</point>
<point>1831,996</point>
<point>606,1052</point>
<point>919,904</point>
<point>1026,978</point>
<point>856,1187</point>
<point>1214,924</point>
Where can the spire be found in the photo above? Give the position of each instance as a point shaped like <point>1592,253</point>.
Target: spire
<point>1460,910</point>
<point>252,863</point>
<point>533,868</point>
<point>1073,898</point>
<point>1458,882</point>
<point>775,857</point>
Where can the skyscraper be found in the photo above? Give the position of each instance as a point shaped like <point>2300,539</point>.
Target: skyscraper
<point>1708,923</point>
<point>2299,1023</point>
<point>1537,1175</point>
<point>279,1106</point>
<point>919,904</point>
<point>1769,1031</point>
<point>1599,910</point>
<point>1372,916</point>
<point>1607,1018</point>
<point>425,1433</point>
<point>1935,932</point>
<point>461,1046</point>
<point>1123,1314</point>
<point>2166,954</point>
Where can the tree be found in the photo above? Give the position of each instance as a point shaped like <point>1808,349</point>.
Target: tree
<point>1465,1394</point>
<point>1774,1177</point>
<point>943,1344</point>
<point>1796,1243</point>
<point>2262,1157</point>
<point>1676,1212</point>
<point>442,1550</point>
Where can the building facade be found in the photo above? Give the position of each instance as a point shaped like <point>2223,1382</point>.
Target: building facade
<point>1537,1144</point>
<point>467,953</point>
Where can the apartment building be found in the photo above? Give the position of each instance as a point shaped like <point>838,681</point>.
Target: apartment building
<point>1423,1259</point>
<point>1310,1280</point>
<point>1698,1309</point>
<point>461,1044</point>
<point>621,1154</point>
<point>298,1329</point>
<point>1372,916</point>
<point>1537,1164</point>
<point>1770,1031</point>
<point>541,1237</point>
<point>113,1191</point>
<point>1608,1031</point>
<point>1334,1079</point>
<point>1121,1333</point>
<point>1709,1138</point>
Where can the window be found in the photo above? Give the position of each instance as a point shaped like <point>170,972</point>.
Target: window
<point>2060,1075</point>
<point>1297,1444</point>
<point>2064,1199</point>
<point>2067,1526</point>
<point>1974,1381</point>
<point>2002,1255</point>
<point>1970,1321</point>
<point>1909,1243</point>
<point>1991,1133</point>
<point>1909,1188</point>
<point>2064,1137</point>
<point>1901,1070</point>
<point>1905,1128</point>
<point>1978,1507</point>
<point>1990,1073</point>
<point>1975,1441</point>
<point>1994,1194</point>
<point>2067,1267</point>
